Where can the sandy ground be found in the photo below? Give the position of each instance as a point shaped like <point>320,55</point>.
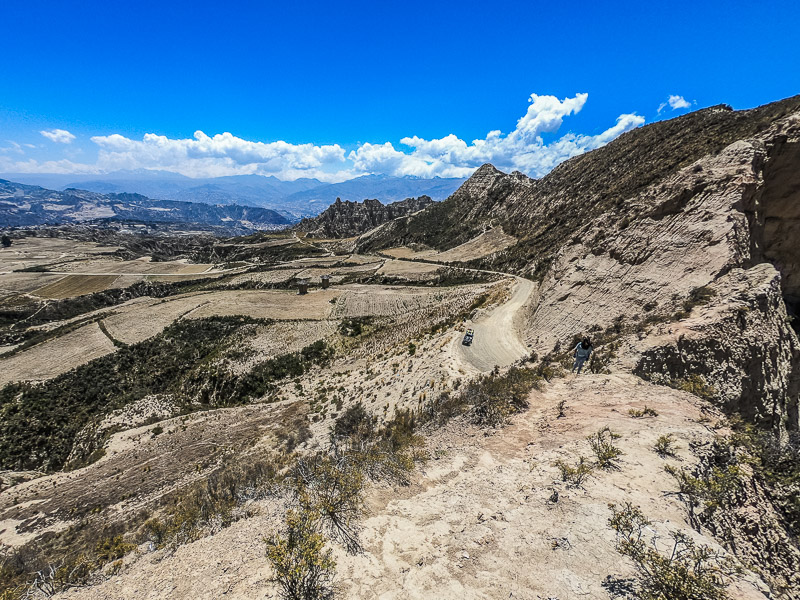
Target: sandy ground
<point>76,285</point>
<point>29,252</point>
<point>136,321</point>
<point>479,521</point>
<point>142,318</point>
<point>406,268</point>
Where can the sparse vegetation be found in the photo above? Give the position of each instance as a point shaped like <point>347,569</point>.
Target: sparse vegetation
<point>686,571</point>
<point>495,397</point>
<point>354,326</point>
<point>714,488</point>
<point>602,444</point>
<point>39,422</point>
<point>637,413</point>
<point>695,384</point>
<point>303,568</point>
<point>776,464</point>
<point>574,476</point>
<point>665,445</point>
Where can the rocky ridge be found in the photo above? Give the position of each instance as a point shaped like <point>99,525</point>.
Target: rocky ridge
<point>346,219</point>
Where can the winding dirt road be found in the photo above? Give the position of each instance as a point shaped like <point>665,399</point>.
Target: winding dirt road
<point>497,341</point>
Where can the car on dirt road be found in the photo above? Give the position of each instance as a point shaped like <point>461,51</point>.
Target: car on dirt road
<point>467,341</point>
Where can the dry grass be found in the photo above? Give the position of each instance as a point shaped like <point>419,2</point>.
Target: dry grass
<point>76,285</point>
<point>56,356</point>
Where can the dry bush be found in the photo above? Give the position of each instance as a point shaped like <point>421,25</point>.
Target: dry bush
<point>495,397</point>
<point>644,412</point>
<point>331,487</point>
<point>686,571</point>
<point>212,504</point>
<point>574,476</point>
<point>302,568</point>
<point>602,444</point>
<point>26,574</point>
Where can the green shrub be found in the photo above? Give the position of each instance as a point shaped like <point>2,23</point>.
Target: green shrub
<point>602,444</point>
<point>665,445</point>
<point>301,566</point>
<point>574,476</point>
<point>645,412</point>
<point>715,488</point>
<point>495,397</point>
<point>695,384</point>
<point>353,326</point>
<point>776,463</point>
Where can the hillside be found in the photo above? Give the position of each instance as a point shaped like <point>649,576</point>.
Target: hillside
<point>542,212</point>
<point>347,219</point>
<point>25,205</point>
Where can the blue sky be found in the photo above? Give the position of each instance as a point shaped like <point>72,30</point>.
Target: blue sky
<point>320,89</point>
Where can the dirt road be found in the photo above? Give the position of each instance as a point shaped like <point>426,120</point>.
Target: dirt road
<point>496,341</point>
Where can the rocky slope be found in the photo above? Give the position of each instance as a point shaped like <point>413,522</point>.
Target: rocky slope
<point>25,205</point>
<point>346,219</point>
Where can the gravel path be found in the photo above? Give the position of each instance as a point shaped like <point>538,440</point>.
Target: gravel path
<point>497,340</point>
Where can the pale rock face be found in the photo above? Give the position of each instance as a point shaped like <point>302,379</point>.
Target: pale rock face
<point>740,343</point>
<point>702,226</point>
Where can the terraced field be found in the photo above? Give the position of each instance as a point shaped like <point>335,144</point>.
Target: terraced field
<point>56,356</point>
<point>76,285</point>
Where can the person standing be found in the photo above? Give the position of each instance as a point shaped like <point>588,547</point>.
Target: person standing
<point>581,353</point>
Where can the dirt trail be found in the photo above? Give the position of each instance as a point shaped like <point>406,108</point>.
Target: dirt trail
<point>497,340</point>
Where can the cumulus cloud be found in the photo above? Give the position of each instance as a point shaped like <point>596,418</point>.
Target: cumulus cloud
<point>222,154</point>
<point>523,149</point>
<point>674,102</point>
<point>531,147</point>
<point>60,136</point>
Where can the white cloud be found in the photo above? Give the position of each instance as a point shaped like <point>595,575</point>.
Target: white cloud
<point>524,149</point>
<point>223,154</point>
<point>675,102</point>
<point>49,166</point>
<point>60,136</point>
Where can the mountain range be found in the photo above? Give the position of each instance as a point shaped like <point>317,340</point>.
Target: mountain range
<point>294,199</point>
<point>25,205</point>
